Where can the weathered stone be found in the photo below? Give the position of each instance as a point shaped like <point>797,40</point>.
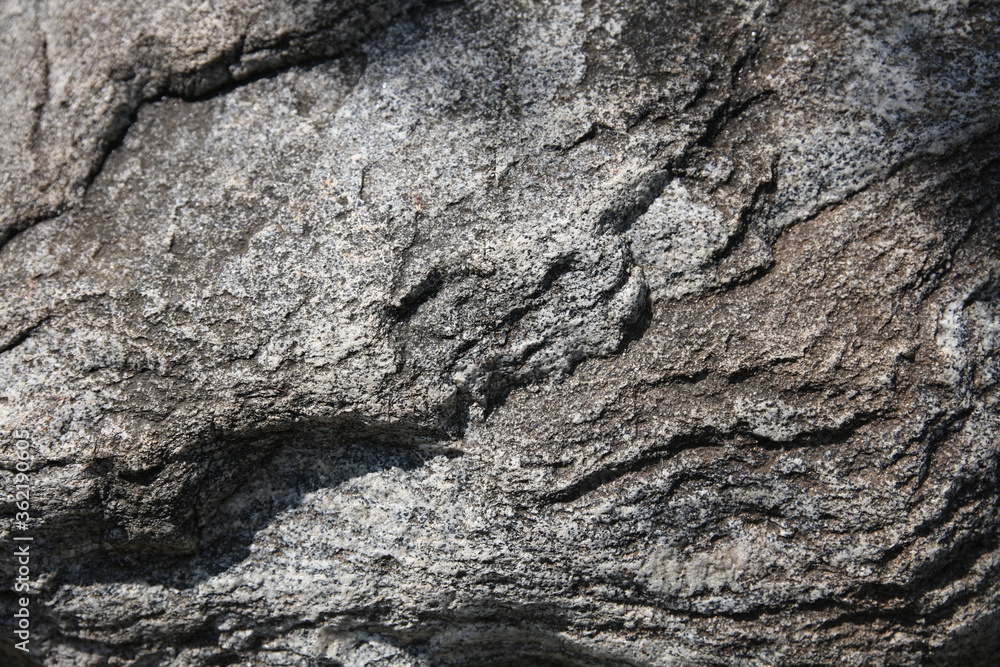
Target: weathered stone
<point>74,74</point>
<point>642,333</point>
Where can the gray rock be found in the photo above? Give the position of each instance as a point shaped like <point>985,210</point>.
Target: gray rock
<point>600,333</point>
<point>74,76</point>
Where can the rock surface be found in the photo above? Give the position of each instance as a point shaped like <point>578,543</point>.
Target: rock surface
<point>503,332</point>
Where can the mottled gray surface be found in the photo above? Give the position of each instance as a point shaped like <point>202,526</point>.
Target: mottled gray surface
<point>504,332</point>
<point>73,74</point>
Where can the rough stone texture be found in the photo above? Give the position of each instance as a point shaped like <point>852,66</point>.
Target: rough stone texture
<point>504,332</point>
<point>73,74</point>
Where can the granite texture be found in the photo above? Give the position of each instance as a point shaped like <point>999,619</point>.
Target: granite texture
<point>503,332</point>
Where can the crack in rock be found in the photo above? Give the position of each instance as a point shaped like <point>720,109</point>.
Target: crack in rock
<point>567,332</point>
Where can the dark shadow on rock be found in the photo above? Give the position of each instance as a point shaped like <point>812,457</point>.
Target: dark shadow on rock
<point>495,633</point>
<point>977,645</point>
<point>306,461</point>
<point>494,642</point>
<point>161,508</point>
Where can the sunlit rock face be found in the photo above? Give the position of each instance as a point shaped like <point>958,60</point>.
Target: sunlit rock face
<point>502,333</point>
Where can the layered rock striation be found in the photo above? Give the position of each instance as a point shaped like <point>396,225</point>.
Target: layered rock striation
<point>487,333</point>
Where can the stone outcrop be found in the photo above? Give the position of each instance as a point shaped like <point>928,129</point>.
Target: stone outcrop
<point>484,333</point>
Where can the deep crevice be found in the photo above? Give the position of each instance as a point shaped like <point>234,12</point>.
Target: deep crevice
<point>23,335</point>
